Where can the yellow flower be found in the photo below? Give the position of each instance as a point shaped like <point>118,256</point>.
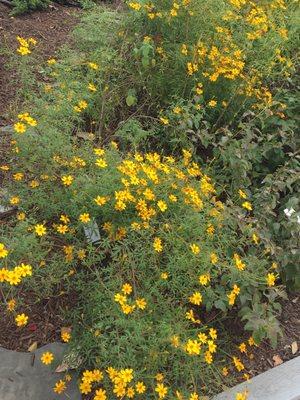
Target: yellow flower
<point>193,347</point>
<point>202,337</point>
<point>184,50</point>
<point>63,229</point>
<point>194,396</point>
<point>255,238</point>
<point>211,346</point>
<point>64,218</point>
<point>196,298</point>
<point>238,262</point>
<point>195,248</point>
<point>82,104</point>
<point>97,375</point>
<point>24,51</point>
<point>247,205</point>
<point>157,245</point>
<point>92,87</point>
<point>251,341</point>
<point>130,392</point>
<point>161,390</point>
<point>47,358</point>
<point>40,229</point>
<point>3,251</point>
<point>141,303</point>
<point>164,120</point>
<point>100,394</point>
<point>99,152</point>
<point>175,341</point>
<point>85,387</point>
<point>18,176</point>
<point>51,61</point>
<point>11,304</point>
<point>67,180</point>
<point>238,364</point>
<point>271,279</point>
<point>173,198</point>
<point>85,217</point>
<point>242,194</point>
<point>21,319</point>
<point>204,279</point>
<point>242,396</point>
<point>212,103</point>
<point>243,348</point>
<point>135,6</point>
<point>101,163</point>
<point>19,127</point>
<point>164,275</point>
<point>177,110</point>
<point>65,337</point>
<point>225,371</point>
<point>93,66</point>
<point>208,357</point>
<point>159,377</point>
<point>213,258</point>
<point>162,205</point>
<point>14,200</point>
<point>140,387</point>
<point>126,288</point>
<point>59,387</point>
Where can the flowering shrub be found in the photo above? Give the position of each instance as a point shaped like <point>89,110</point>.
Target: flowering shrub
<point>224,65</point>
<point>151,246</point>
<point>168,252</point>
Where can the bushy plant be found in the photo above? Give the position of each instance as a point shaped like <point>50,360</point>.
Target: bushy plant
<point>148,242</point>
<point>23,6</point>
<point>167,252</point>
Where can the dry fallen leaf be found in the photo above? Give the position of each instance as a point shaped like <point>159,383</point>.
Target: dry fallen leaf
<point>277,360</point>
<point>32,347</point>
<point>295,300</point>
<point>63,367</point>
<point>294,347</point>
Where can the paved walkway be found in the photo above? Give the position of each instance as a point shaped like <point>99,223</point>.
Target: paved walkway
<point>24,377</point>
<point>279,383</point>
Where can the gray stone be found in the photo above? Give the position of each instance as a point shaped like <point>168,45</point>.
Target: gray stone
<point>279,383</point>
<point>24,377</point>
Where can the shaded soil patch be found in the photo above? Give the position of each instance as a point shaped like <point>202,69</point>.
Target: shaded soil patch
<point>44,326</point>
<point>50,27</point>
<point>259,359</point>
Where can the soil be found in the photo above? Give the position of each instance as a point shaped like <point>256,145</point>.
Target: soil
<point>45,324</point>
<point>261,358</point>
<point>51,28</point>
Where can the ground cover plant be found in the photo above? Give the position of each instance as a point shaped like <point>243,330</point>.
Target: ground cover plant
<point>136,167</point>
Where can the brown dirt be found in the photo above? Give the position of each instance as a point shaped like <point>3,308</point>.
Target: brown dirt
<point>290,324</point>
<point>260,359</point>
<point>45,322</point>
<point>50,27</point>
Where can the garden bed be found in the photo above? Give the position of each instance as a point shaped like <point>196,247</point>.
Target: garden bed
<point>151,174</point>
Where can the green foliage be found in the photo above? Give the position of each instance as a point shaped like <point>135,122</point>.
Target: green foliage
<point>92,149</point>
<point>23,6</point>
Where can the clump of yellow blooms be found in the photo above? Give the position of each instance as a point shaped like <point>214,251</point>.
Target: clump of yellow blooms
<point>122,300</point>
<point>25,45</point>
<point>24,120</point>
